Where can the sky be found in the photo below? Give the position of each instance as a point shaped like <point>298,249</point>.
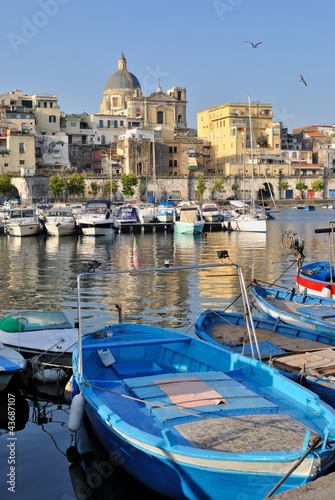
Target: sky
<point>71,47</point>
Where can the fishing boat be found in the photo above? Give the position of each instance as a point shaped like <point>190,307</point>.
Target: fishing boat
<point>230,329</point>
<point>22,221</point>
<point>45,338</point>
<point>314,369</point>
<point>299,309</point>
<point>194,420</point>
<point>318,277</point>
<point>287,348</point>
<point>190,220</point>
<point>11,362</point>
<point>60,222</point>
<point>97,220</point>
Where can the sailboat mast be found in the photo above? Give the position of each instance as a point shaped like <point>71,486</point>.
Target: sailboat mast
<point>251,154</point>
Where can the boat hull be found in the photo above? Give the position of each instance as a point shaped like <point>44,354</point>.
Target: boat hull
<point>22,230</point>
<point>191,479</point>
<point>127,369</point>
<point>188,228</point>
<point>60,229</point>
<point>317,278</point>
<point>98,229</point>
<point>245,223</point>
<point>300,310</point>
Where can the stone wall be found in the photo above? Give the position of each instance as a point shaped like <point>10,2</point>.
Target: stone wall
<point>32,189</point>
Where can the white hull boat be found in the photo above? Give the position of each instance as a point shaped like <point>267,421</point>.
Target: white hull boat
<point>97,219</point>
<point>60,222</point>
<point>23,222</point>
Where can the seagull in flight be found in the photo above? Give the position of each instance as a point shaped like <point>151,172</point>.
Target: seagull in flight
<point>302,80</point>
<point>254,45</point>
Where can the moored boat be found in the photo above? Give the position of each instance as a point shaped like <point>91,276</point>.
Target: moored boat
<point>287,348</point>
<point>318,277</point>
<point>60,222</point>
<point>190,220</point>
<point>299,309</point>
<point>215,420</point>
<point>97,220</point>
<point>11,362</point>
<point>45,338</point>
<point>22,221</point>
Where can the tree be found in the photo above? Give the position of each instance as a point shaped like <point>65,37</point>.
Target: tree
<point>6,186</point>
<point>201,187</point>
<point>282,186</point>
<point>76,184</point>
<point>318,185</point>
<point>218,185</point>
<point>235,188</point>
<point>301,186</point>
<point>57,185</point>
<point>128,182</point>
<point>94,189</point>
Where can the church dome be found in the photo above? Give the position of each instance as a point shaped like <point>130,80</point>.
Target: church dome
<point>122,78</point>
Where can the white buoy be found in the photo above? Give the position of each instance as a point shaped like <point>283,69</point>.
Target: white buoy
<point>327,291</point>
<point>76,413</point>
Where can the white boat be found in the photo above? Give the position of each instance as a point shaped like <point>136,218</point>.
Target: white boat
<point>166,211</point>
<point>23,221</point>
<point>210,212</point>
<point>246,223</point>
<point>249,220</point>
<point>146,212</point>
<point>97,220</point>
<point>46,337</point>
<point>190,220</point>
<point>60,222</point>
<point>11,362</point>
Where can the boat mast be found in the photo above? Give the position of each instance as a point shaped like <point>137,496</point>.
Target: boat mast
<point>251,155</point>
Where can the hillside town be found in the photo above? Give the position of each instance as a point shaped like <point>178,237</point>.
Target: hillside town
<point>149,136</point>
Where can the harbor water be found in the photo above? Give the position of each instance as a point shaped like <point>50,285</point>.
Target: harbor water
<point>40,272</point>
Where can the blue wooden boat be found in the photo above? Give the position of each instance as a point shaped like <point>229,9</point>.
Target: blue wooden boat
<point>11,362</point>
<point>194,420</point>
<point>285,347</point>
<point>318,277</point>
<point>299,309</point>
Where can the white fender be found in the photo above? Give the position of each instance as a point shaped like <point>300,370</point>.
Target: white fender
<point>76,413</point>
<point>326,292</point>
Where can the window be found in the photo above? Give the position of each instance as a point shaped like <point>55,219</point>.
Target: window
<point>170,149</point>
<point>101,123</point>
<point>121,123</point>
<point>108,123</point>
<point>45,104</point>
<point>21,162</point>
<point>180,119</point>
<point>21,147</point>
<point>52,119</point>
<point>175,163</point>
<point>51,105</point>
<point>115,123</point>
<point>170,163</point>
<point>175,149</point>
<point>160,117</point>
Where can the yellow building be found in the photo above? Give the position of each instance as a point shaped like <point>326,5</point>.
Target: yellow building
<point>227,128</point>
